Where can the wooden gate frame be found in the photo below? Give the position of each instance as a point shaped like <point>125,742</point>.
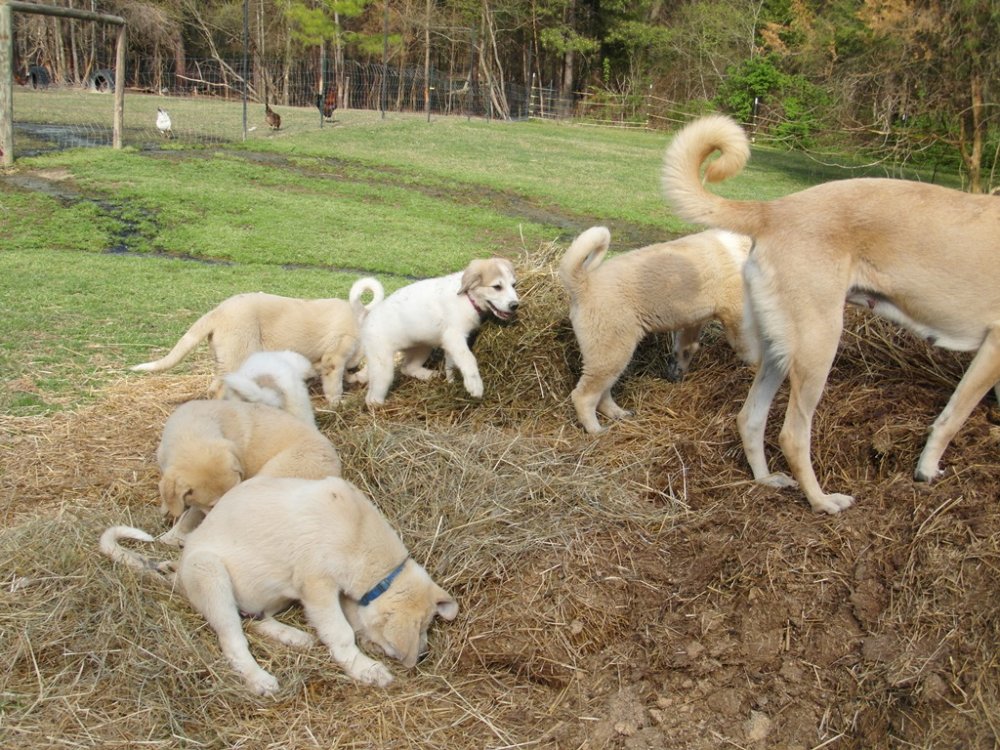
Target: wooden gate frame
<point>7,7</point>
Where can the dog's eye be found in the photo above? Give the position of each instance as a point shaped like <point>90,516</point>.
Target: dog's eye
<point>498,287</point>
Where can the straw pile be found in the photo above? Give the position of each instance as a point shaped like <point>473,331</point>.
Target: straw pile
<point>632,590</point>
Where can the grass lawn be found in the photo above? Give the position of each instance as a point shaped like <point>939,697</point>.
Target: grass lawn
<point>110,255</point>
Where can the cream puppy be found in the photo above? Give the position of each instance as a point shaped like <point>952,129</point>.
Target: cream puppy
<point>208,447</point>
<point>674,286</point>
<point>438,312</point>
<point>277,379</point>
<point>270,542</point>
<point>325,331</point>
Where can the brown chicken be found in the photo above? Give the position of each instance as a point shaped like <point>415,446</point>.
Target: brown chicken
<point>327,104</point>
<point>272,117</point>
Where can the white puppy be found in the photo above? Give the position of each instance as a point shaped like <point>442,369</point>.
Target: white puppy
<point>277,379</point>
<point>270,542</point>
<point>439,312</point>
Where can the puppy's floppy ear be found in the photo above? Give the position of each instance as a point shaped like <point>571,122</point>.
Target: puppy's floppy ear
<point>445,606</point>
<point>174,491</point>
<point>472,276</point>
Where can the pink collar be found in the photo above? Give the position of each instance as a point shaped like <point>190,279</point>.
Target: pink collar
<point>475,307</point>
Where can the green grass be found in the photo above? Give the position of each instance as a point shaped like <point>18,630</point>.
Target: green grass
<point>122,250</point>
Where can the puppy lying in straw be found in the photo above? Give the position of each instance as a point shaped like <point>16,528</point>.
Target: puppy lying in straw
<point>208,447</point>
<point>920,255</point>
<point>270,542</point>
<point>439,312</point>
<point>277,379</point>
<point>674,286</point>
<point>325,331</point>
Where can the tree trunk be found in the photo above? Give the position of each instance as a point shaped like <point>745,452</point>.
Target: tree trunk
<point>971,135</point>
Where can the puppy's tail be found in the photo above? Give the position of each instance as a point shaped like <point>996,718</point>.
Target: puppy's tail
<point>201,329</point>
<point>681,175</point>
<point>162,569</point>
<point>582,257</point>
<point>358,289</point>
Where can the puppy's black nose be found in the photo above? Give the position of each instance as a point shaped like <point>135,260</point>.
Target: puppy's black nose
<point>514,306</point>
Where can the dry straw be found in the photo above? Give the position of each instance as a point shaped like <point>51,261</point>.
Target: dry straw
<point>627,590</point>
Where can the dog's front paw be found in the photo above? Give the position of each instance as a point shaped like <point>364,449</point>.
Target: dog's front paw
<point>474,385</point>
<point>377,675</point>
<point>832,503</point>
<point>262,683</point>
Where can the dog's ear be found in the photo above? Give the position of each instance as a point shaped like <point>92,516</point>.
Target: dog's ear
<point>472,276</point>
<point>445,606</point>
<point>174,493</point>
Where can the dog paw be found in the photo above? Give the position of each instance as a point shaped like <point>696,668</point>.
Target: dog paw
<point>377,674</point>
<point>263,683</point>
<point>778,480</point>
<point>474,385</point>
<point>832,503</point>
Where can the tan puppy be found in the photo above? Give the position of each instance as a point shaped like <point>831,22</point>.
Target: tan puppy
<point>208,447</point>
<point>270,542</point>
<point>438,312</point>
<point>325,331</point>
<point>674,286</point>
<point>920,255</point>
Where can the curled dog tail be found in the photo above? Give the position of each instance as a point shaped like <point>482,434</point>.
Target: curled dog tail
<point>248,389</point>
<point>582,257</point>
<point>681,175</point>
<point>201,329</point>
<point>162,569</point>
<point>358,289</point>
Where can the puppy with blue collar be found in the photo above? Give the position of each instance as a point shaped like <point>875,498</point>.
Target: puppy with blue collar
<point>271,541</point>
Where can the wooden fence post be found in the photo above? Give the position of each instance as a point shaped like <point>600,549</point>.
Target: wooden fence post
<point>6,85</point>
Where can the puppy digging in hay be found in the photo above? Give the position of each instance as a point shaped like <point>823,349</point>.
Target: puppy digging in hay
<point>325,331</point>
<point>208,447</point>
<point>272,541</point>
<point>676,286</point>
<point>431,313</point>
<point>277,379</point>
<point>920,255</point>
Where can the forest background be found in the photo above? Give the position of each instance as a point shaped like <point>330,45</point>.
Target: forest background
<point>905,81</point>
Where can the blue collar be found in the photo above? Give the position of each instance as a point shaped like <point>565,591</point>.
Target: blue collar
<point>382,586</point>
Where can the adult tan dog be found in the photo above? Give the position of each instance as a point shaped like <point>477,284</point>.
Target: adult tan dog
<point>325,331</point>
<point>674,286</point>
<point>208,447</point>
<point>270,542</point>
<point>920,255</point>
<point>438,312</point>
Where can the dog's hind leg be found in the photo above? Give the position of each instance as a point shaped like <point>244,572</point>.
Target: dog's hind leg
<point>209,588</point>
<point>752,421</point>
<point>379,373</point>
<point>807,374</point>
<point>983,374</point>
<point>282,633</point>
<point>321,601</point>
<point>413,363</point>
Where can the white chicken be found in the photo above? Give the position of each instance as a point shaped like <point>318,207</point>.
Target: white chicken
<point>163,122</point>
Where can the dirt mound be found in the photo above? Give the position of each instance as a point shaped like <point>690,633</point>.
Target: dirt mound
<point>631,590</point>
